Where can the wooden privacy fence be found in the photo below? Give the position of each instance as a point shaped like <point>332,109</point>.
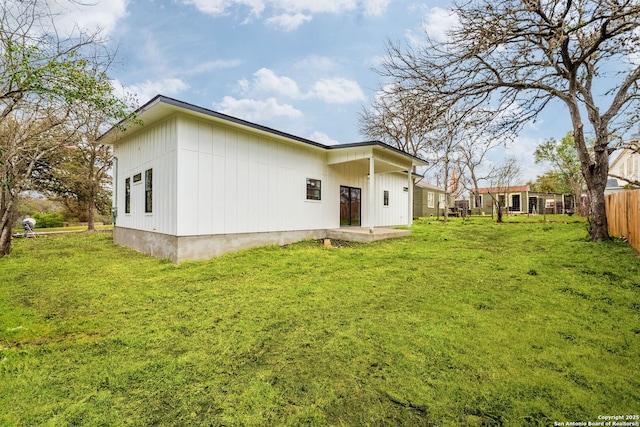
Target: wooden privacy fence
<point>623,215</point>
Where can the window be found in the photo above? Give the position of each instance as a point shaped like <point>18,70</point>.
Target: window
<point>441,200</point>
<point>430,200</point>
<point>148,191</point>
<point>127,195</point>
<point>137,177</point>
<point>386,198</point>
<point>313,189</point>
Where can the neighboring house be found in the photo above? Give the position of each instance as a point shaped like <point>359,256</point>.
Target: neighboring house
<point>191,183</point>
<point>625,169</point>
<point>428,200</point>
<point>613,186</point>
<point>519,199</point>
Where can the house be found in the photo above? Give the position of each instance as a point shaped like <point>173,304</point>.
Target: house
<point>625,168</point>
<point>519,199</point>
<point>428,200</point>
<point>191,183</point>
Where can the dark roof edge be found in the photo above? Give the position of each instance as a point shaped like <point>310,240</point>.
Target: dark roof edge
<point>192,107</point>
<point>208,112</point>
<point>378,143</point>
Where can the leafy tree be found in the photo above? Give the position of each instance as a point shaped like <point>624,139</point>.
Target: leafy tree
<point>565,165</point>
<point>79,176</point>
<point>47,83</point>
<point>549,182</point>
<point>525,54</point>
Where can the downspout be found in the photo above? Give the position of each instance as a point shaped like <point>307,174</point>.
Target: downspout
<point>372,205</point>
<point>410,220</point>
<point>114,204</point>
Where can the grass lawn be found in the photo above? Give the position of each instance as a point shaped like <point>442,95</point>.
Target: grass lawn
<point>20,230</point>
<point>463,324</point>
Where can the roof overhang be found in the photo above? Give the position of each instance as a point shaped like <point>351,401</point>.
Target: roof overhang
<point>387,158</point>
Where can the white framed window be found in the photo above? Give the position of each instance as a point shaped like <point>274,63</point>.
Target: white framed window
<point>314,189</point>
<point>127,195</point>
<point>148,191</point>
<point>430,200</point>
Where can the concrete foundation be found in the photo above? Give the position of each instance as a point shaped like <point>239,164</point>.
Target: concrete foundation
<point>179,249</point>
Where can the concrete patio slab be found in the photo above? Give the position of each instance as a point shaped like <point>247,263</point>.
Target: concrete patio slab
<point>363,235</point>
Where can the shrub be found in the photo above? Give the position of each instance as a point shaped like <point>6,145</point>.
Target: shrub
<point>49,220</point>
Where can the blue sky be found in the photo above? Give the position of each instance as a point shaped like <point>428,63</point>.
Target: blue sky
<point>299,66</point>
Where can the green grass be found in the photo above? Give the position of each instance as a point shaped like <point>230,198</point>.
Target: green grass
<point>465,323</point>
<point>20,230</point>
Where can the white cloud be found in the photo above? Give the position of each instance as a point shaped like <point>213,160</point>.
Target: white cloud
<point>335,90</point>
<point>323,138</point>
<point>367,7</point>
<point>219,64</point>
<point>148,89</point>
<point>266,81</point>
<point>97,14</point>
<point>288,15</point>
<point>288,22</point>
<point>338,91</point>
<point>524,153</point>
<point>436,24</point>
<point>255,110</point>
<point>375,7</point>
<point>315,64</point>
<point>219,7</point>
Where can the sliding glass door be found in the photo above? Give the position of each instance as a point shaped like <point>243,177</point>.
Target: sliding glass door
<point>350,206</point>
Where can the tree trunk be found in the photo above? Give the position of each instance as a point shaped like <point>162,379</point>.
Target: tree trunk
<point>91,226</point>
<point>6,220</point>
<point>5,239</point>
<point>596,183</point>
<point>445,214</point>
<point>595,169</point>
<point>91,219</point>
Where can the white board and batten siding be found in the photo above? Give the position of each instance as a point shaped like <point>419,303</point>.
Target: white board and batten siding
<point>395,213</point>
<point>153,148</point>
<point>214,176</point>
<point>222,180</point>
<point>232,181</point>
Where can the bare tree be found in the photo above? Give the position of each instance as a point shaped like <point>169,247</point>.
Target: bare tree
<point>424,129</point>
<point>450,130</point>
<point>46,83</point>
<point>397,118</point>
<point>524,54</point>
<point>501,181</point>
<point>473,152</point>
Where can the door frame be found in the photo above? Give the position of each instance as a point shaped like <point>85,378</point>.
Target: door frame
<point>350,221</point>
